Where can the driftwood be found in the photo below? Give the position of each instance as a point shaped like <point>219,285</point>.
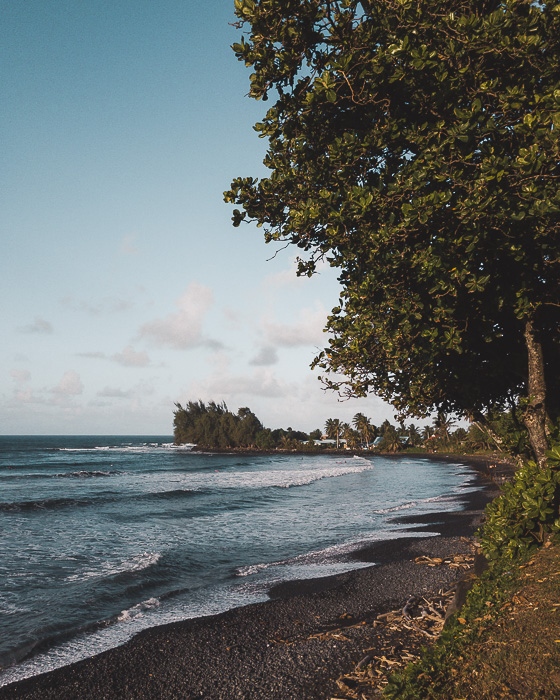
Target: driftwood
<point>400,636</point>
<point>409,607</point>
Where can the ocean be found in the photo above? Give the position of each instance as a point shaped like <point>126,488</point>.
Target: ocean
<point>101,537</point>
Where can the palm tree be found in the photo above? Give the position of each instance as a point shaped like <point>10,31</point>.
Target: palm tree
<point>286,443</point>
<point>362,423</point>
<point>442,423</point>
<point>351,436</point>
<point>391,441</point>
<point>427,432</point>
<point>414,436</point>
<point>333,428</point>
<point>385,426</point>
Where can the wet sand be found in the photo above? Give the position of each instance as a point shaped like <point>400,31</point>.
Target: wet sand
<point>273,650</point>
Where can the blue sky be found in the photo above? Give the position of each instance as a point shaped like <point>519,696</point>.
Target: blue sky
<point>124,286</point>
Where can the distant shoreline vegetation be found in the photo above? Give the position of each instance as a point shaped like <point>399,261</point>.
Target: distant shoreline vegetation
<point>213,426</point>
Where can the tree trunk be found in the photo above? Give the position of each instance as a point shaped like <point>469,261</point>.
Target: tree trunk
<point>534,415</point>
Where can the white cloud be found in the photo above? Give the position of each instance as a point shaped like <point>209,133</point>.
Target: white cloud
<point>138,393</point>
<point>266,356</point>
<point>20,375</point>
<point>284,278</point>
<point>183,330</point>
<point>307,406</point>
<point>38,326</point>
<point>107,305</point>
<point>24,396</point>
<point>301,403</point>
<point>222,385</point>
<point>232,317</point>
<point>128,246</point>
<point>69,385</point>
<point>307,330</point>
<point>131,358</point>
<point>113,393</point>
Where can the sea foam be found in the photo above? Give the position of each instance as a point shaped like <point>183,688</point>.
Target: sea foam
<point>138,610</point>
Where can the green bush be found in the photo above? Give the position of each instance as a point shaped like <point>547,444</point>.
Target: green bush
<point>525,512</point>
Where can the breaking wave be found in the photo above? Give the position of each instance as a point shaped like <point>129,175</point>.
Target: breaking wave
<point>138,610</point>
<point>84,474</point>
<point>133,449</point>
<point>106,569</point>
<point>394,509</point>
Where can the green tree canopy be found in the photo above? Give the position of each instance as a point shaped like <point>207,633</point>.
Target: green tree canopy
<point>363,426</point>
<point>212,425</point>
<point>414,146</point>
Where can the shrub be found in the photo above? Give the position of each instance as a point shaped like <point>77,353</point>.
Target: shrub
<point>525,512</point>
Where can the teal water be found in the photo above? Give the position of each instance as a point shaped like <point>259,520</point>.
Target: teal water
<point>104,536</point>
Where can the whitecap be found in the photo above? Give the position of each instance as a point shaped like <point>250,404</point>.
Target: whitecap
<point>138,562</point>
<point>254,568</point>
<point>84,474</point>
<point>362,459</point>
<point>436,499</point>
<point>394,509</point>
<point>138,610</point>
<point>321,557</point>
<point>330,560</point>
<point>286,478</point>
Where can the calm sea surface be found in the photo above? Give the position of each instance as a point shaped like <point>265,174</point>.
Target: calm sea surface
<point>101,537</point>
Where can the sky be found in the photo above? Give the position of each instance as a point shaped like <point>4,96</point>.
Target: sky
<point>124,287</point>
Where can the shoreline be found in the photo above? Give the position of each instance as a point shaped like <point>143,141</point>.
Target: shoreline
<point>273,649</point>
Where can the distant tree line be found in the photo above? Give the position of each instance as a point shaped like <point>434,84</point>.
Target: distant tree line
<point>501,431</point>
<point>213,426</point>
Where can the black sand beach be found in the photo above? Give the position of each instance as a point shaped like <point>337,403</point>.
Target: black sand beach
<point>277,649</point>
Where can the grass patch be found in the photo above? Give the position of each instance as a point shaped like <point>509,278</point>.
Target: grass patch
<point>504,643</point>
